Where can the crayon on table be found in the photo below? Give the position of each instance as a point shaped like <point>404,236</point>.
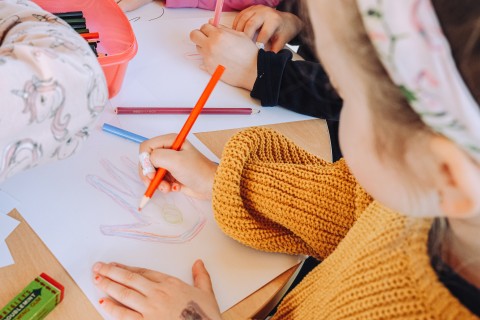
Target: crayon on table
<point>123,133</point>
<point>153,110</point>
<point>180,139</point>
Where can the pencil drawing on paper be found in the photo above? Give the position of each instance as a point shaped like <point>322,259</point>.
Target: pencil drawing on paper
<point>163,220</point>
<point>140,18</point>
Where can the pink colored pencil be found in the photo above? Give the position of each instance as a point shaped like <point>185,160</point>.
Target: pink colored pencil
<point>151,110</point>
<point>218,12</point>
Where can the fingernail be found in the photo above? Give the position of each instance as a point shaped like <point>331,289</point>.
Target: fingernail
<point>101,301</point>
<point>97,278</point>
<point>97,266</point>
<point>175,187</point>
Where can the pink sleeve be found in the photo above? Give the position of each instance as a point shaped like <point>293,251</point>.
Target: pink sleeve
<point>228,5</point>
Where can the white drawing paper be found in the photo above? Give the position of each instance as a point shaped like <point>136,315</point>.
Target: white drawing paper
<point>81,208</point>
<point>7,225</point>
<point>166,73</point>
<point>7,203</point>
<point>6,258</point>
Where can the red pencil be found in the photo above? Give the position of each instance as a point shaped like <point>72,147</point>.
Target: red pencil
<point>177,144</point>
<point>91,35</point>
<point>152,110</point>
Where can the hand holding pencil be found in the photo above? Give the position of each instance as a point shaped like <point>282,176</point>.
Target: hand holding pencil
<point>189,171</point>
<point>180,139</point>
<point>214,45</point>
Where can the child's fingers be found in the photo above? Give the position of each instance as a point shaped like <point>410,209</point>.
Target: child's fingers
<point>147,273</point>
<point>278,44</point>
<point>265,34</point>
<point>165,186</point>
<point>207,29</point>
<point>106,272</point>
<point>241,19</point>
<point>117,311</point>
<point>121,293</point>
<point>253,26</point>
<point>160,142</point>
<point>169,159</point>
<point>198,37</point>
<point>201,277</point>
<point>176,187</point>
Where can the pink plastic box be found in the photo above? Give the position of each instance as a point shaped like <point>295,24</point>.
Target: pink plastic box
<point>117,39</point>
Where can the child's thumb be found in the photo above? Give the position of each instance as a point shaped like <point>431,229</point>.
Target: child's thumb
<point>201,278</point>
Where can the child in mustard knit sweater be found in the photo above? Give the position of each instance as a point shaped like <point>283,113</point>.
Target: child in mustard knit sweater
<point>395,223</point>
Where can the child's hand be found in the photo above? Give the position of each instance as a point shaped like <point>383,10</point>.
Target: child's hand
<point>130,5</point>
<point>136,293</point>
<point>188,170</point>
<point>230,48</point>
<point>268,26</point>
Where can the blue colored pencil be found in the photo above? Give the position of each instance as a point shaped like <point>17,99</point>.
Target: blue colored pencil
<point>123,133</point>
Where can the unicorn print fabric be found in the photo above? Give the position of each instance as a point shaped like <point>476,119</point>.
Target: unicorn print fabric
<point>51,86</point>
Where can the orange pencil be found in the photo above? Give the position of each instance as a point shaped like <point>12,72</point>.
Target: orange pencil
<point>177,144</point>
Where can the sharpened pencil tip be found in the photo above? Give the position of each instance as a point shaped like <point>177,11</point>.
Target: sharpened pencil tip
<point>143,202</point>
<point>254,111</point>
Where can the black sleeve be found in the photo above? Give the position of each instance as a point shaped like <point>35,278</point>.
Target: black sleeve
<point>300,86</point>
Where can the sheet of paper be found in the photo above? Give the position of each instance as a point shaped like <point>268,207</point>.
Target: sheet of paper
<point>7,225</point>
<point>6,258</point>
<point>7,203</point>
<point>166,73</point>
<point>84,209</point>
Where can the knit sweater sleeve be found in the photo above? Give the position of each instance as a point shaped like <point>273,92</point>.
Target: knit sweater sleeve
<point>52,88</point>
<point>274,196</point>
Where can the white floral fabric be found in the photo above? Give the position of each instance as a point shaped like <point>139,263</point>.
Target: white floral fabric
<point>411,45</point>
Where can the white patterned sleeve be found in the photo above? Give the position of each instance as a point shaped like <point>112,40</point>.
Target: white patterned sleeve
<point>52,88</point>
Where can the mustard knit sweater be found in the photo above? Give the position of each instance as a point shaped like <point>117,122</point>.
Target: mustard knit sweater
<point>273,196</point>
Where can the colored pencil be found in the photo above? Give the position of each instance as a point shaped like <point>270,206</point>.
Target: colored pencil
<point>218,12</point>
<point>79,26</point>
<point>82,31</point>
<point>91,35</point>
<point>177,144</point>
<point>72,14</point>
<point>75,21</point>
<point>123,133</point>
<point>152,110</point>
